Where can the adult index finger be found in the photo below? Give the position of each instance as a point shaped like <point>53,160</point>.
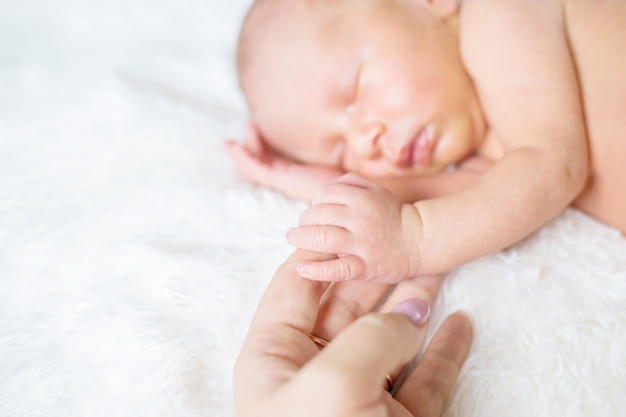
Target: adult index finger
<point>277,343</point>
<point>289,299</point>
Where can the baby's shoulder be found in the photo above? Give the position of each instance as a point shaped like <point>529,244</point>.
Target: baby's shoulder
<point>485,10</point>
<point>495,21</point>
<point>493,30</point>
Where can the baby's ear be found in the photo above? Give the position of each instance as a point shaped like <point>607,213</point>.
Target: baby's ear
<point>444,8</point>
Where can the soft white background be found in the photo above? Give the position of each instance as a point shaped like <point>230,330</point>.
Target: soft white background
<point>132,256</point>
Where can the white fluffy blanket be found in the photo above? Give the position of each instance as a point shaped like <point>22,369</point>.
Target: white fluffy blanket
<point>132,257</point>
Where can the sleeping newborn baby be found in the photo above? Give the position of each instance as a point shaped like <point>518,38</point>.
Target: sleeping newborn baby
<point>363,106</point>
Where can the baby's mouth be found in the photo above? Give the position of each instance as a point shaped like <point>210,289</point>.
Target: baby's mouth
<point>417,151</point>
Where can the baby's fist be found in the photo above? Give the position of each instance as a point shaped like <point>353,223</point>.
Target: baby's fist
<point>364,225</point>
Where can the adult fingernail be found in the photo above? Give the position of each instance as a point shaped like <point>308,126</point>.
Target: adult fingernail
<point>416,309</point>
<point>303,270</point>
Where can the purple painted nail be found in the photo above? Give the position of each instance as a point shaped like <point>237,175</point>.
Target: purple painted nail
<point>416,309</point>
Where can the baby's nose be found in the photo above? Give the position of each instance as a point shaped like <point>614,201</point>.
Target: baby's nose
<point>367,142</point>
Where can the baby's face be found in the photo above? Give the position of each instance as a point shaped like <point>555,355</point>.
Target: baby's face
<point>370,86</point>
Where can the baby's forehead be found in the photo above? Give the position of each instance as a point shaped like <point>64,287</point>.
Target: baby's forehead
<point>284,36</point>
<point>295,66</point>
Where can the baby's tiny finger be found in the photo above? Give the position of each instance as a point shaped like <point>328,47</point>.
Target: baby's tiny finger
<point>344,268</point>
<point>339,193</point>
<point>321,238</point>
<point>325,214</point>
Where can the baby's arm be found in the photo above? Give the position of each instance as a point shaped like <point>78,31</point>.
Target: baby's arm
<point>529,90</point>
<point>423,187</point>
<point>518,53</point>
<point>362,222</point>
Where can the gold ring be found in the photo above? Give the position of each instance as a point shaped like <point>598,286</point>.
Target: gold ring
<point>322,343</point>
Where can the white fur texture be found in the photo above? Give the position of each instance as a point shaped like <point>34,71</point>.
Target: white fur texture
<point>132,257</point>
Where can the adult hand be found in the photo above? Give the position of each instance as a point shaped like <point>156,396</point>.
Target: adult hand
<point>261,165</point>
<point>281,371</point>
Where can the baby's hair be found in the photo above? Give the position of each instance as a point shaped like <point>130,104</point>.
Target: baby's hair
<point>262,20</point>
<point>246,34</point>
<point>259,18</point>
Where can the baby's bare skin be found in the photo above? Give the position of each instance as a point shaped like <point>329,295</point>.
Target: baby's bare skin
<point>548,131</point>
<point>597,36</point>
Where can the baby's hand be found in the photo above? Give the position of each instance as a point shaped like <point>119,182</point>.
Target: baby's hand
<point>260,165</point>
<point>373,235</point>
